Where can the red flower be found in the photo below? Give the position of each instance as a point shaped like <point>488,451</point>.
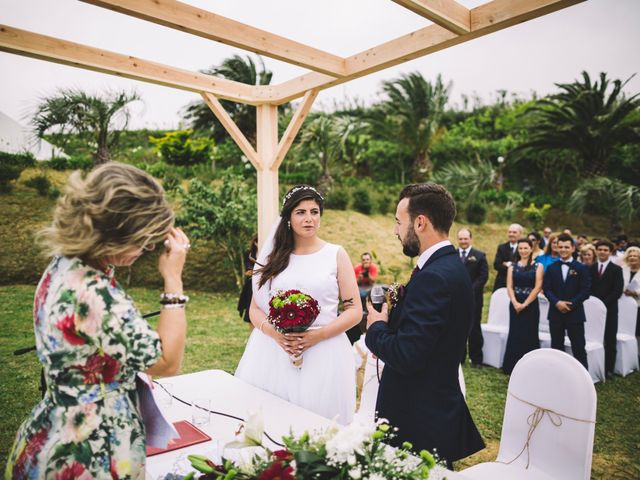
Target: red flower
<point>100,369</point>
<point>293,315</point>
<point>71,472</point>
<point>277,471</point>
<point>31,450</point>
<point>281,455</point>
<point>68,327</point>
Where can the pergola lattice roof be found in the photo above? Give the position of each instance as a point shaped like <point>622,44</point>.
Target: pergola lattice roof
<point>453,24</point>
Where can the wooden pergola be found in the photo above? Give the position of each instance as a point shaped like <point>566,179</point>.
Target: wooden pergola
<point>453,24</point>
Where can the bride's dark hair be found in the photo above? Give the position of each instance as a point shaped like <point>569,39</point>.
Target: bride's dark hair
<point>278,259</point>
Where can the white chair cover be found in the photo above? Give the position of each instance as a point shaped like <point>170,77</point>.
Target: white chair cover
<point>543,325</point>
<point>561,446</point>
<point>627,345</point>
<point>496,330</point>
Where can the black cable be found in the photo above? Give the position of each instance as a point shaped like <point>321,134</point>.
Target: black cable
<point>214,412</point>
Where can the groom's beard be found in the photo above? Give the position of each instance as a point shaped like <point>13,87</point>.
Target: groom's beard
<point>411,244</point>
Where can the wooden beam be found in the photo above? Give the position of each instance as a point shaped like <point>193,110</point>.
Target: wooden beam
<point>488,18</point>
<point>34,45</point>
<point>448,14</point>
<point>232,129</point>
<point>267,140</point>
<point>203,23</point>
<point>293,128</point>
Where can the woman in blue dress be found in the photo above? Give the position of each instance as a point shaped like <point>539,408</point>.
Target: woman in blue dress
<point>550,253</point>
<point>524,282</point>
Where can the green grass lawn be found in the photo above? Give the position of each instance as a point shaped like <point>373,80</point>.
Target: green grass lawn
<point>216,339</point>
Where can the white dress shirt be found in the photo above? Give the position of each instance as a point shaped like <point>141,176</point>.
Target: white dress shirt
<point>465,251</point>
<point>565,269</point>
<point>604,265</point>
<point>430,251</point>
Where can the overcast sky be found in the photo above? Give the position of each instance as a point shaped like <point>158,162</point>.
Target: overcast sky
<point>597,35</point>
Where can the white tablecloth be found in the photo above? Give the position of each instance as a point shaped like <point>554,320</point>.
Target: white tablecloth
<point>235,397</point>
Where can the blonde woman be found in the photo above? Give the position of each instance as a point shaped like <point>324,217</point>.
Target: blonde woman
<point>587,254</point>
<point>630,269</point>
<point>90,337</point>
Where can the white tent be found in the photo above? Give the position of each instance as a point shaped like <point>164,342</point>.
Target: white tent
<point>15,138</point>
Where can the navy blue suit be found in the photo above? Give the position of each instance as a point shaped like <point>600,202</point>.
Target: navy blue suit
<point>576,290</point>
<point>422,346</point>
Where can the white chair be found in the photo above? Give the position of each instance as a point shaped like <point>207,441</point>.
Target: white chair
<point>543,326</point>
<point>561,445</point>
<point>496,330</point>
<point>596,314</point>
<point>627,345</point>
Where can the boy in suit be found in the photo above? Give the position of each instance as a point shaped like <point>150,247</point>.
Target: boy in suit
<point>423,341</point>
<point>566,285</point>
<point>607,285</point>
<point>477,267</point>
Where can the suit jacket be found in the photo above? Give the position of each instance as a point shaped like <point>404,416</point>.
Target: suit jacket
<point>422,347</point>
<point>609,287</point>
<point>575,290</point>
<point>503,254</point>
<point>477,268</point>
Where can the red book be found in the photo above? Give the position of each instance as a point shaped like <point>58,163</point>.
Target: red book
<point>189,435</point>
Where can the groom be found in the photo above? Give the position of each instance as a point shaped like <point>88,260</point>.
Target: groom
<point>423,342</point>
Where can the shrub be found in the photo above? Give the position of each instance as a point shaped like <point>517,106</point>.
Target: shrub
<point>385,203</point>
<point>362,200</point>
<point>75,162</point>
<point>476,213</point>
<point>337,198</point>
<point>11,166</point>
<point>40,183</point>
<point>171,182</point>
<point>182,148</point>
<point>158,169</point>
<point>536,215</point>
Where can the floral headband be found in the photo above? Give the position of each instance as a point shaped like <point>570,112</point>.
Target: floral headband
<point>297,189</point>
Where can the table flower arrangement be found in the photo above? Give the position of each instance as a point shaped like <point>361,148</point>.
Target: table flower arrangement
<point>291,311</point>
<point>357,451</point>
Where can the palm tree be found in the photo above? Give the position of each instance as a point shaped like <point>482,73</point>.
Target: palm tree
<point>99,118</point>
<point>322,136</point>
<point>238,69</point>
<point>609,196</point>
<point>587,118</point>
<point>415,109</point>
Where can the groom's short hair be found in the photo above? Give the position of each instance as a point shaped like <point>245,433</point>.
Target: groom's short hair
<point>433,201</point>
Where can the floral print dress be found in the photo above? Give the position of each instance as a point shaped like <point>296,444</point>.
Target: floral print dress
<point>91,341</point>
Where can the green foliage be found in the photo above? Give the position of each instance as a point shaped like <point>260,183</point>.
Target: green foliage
<point>507,211</point>
<point>385,203</point>
<point>476,213</point>
<point>11,166</point>
<point>338,198</point>
<point>171,182</point>
<point>225,214</point>
<point>466,181</point>
<point>40,183</point>
<point>183,148</point>
<point>536,216</point>
<point>362,200</point>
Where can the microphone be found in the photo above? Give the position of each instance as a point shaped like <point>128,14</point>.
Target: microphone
<point>377,297</point>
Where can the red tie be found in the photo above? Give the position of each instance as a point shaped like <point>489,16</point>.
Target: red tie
<point>600,271</point>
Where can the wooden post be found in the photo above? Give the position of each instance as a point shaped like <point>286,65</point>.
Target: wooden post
<point>267,146</point>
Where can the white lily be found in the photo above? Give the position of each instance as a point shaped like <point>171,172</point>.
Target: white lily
<point>252,433</point>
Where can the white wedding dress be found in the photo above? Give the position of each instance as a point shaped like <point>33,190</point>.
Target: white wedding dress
<point>325,384</point>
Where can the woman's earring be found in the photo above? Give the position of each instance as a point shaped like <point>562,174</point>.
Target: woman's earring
<point>289,225</point>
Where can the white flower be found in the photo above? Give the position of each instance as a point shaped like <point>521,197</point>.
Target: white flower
<point>349,440</point>
<point>90,311</point>
<point>376,476</point>
<point>81,422</point>
<point>253,432</point>
<point>355,473</point>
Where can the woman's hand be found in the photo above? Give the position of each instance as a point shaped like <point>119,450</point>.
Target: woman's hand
<point>305,340</point>
<point>172,260</point>
<point>286,341</point>
<point>630,293</point>
<point>518,307</point>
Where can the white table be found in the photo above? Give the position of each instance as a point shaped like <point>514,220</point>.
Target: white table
<point>232,396</point>
<point>235,397</point>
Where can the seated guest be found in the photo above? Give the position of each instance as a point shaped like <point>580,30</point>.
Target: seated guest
<point>477,267</point>
<point>550,253</point>
<point>535,238</point>
<point>587,254</point>
<point>366,274</point>
<point>566,285</point>
<point>524,282</point>
<point>546,233</point>
<point>506,254</point>
<point>607,285</point>
<point>631,279</point>
<point>91,338</point>
<point>581,241</point>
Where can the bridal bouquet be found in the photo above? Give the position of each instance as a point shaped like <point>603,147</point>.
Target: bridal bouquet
<point>291,311</point>
<point>357,451</point>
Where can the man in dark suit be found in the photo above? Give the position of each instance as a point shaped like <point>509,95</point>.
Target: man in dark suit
<point>506,254</point>
<point>477,267</point>
<point>607,284</point>
<point>422,343</point>
<point>566,285</point>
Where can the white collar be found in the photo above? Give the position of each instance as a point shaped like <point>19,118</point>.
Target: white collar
<point>604,264</point>
<point>513,245</point>
<point>465,250</point>
<point>430,251</point>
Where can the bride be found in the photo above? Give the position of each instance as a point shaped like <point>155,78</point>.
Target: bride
<point>295,258</point>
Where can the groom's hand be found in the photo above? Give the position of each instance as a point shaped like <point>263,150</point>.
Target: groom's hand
<point>374,316</point>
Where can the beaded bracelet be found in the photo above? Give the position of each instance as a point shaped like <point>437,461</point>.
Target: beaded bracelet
<point>173,298</point>
<point>171,306</point>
